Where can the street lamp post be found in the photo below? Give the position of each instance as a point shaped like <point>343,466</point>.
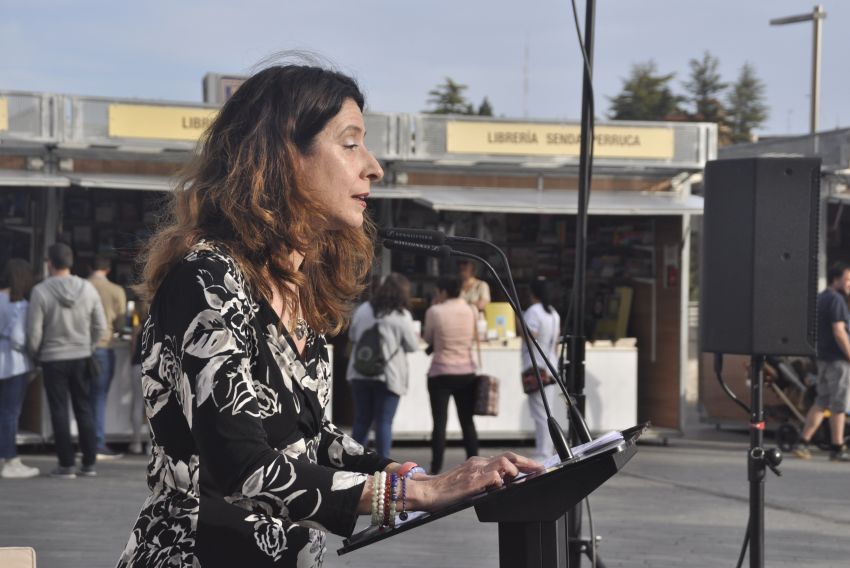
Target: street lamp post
<point>816,17</point>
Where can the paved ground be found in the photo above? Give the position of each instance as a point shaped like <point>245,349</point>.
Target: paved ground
<point>675,505</point>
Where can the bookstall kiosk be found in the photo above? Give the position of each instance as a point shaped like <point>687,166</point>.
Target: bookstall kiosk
<point>105,165</point>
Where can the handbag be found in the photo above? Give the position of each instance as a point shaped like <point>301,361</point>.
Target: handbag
<point>486,389</point>
<point>529,380</point>
<point>486,396</point>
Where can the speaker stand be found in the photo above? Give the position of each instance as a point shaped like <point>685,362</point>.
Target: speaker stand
<point>758,460</point>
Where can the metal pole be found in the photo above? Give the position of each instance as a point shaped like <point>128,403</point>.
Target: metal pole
<point>817,20</point>
<point>756,462</point>
<point>816,17</point>
<point>576,369</point>
<point>577,339</point>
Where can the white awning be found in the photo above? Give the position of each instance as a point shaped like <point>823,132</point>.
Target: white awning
<point>394,192</point>
<point>553,202</point>
<point>119,181</point>
<point>23,178</point>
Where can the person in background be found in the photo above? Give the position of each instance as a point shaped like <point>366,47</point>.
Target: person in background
<point>114,302</point>
<point>137,401</point>
<point>833,386</point>
<point>64,323</point>
<point>472,290</point>
<point>15,365</point>
<point>267,243</point>
<point>450,331</point>
<point>376,397</point>
<point>544,324</point>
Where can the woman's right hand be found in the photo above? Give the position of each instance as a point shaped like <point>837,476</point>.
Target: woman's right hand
<point>475,475</point>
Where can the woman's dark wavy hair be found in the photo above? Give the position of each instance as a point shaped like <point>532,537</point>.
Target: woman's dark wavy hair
<point>17,276</point>
<point>243,190</point>
<point>391,296</point>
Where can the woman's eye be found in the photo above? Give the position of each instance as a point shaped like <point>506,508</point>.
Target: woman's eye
<point>351,146</point>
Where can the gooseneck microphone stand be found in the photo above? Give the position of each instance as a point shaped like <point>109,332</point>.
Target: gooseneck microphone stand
<point>576,367</point>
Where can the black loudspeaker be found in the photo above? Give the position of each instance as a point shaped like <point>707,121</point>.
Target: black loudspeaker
<point>760,248</point>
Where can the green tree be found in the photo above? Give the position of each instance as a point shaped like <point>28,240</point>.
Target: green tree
<point>746,105</point>
<point>646,95</point>
<point>448,98</point>
<point>704,89</point>
<point>485,108</point>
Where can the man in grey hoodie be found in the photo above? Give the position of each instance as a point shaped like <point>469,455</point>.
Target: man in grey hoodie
<point>64,323</point>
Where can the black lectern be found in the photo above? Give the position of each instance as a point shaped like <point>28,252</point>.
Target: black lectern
<point>531,510</point>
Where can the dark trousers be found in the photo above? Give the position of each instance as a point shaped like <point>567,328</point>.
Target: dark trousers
<point>440,389</point>
<point>12,391</point>
<point>60,379</point>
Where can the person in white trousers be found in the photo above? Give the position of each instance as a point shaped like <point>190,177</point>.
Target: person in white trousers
<point>544,324</point>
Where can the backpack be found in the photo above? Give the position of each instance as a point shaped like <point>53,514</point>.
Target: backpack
<point>369,360</point>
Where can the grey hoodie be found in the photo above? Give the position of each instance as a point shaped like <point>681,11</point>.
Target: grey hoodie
<point>65,319</point>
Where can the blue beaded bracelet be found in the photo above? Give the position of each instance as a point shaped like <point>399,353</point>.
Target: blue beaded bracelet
<point>417,469</point>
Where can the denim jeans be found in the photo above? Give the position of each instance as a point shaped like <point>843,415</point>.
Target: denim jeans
<point>100,390</point>
<point>374,404</point>
<point>440,389</point>
<point>12,392</point>
<point>60,379</point>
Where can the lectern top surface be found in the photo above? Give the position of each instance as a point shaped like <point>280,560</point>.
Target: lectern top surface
<point>592,452</point>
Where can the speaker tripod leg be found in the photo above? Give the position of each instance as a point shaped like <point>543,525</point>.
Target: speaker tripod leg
<point>577,544</point>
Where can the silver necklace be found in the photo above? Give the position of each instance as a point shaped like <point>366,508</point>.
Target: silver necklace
<point>301,328</point>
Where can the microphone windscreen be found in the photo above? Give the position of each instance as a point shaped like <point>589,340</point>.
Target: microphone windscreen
<point>439,251</point>
<point>426,236</point>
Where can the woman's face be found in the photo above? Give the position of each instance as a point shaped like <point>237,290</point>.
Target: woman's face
<point>339,169</point>
<point>466,270</point>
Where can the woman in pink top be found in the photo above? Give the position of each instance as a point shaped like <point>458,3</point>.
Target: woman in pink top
<point>450,330</point>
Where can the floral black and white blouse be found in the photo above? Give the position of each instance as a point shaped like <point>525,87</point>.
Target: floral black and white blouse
<point>245,469</point>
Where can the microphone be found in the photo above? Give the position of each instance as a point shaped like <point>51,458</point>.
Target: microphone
<point>439,251</point>
<point>555,432</point>
<point>439,238</point>
<point>426,236</point>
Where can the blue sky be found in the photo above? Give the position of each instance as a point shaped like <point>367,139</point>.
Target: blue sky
<point>399,49</point>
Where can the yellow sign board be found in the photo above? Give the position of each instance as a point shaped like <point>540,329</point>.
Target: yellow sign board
<point>4,115</point>
<point>532,139</point>
<point>159,122</point>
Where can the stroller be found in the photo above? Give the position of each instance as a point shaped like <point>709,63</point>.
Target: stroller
<point>793,380</point>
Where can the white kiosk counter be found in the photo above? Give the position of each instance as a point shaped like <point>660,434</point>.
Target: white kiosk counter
<point>611,390</point>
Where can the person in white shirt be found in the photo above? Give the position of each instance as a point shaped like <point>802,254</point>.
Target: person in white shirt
<point>544,324</point>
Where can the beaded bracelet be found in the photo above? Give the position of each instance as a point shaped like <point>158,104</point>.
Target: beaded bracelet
<point>375,496</point>
<point>405,468</point>
<point>378,497</point>
<point>393,498</point>
<point>387,497</point>
<point>392,513</point>
<point>403,514</point>
<point>414,471</point>
<point>409,469</point>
